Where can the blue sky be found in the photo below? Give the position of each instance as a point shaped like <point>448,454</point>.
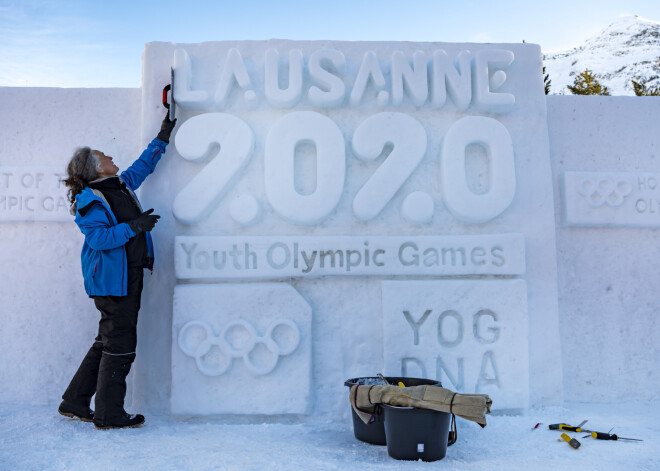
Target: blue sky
<point>76,43</point>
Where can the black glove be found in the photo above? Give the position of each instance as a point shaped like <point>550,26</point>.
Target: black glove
<point>166,128</point>
<point>144,222</point>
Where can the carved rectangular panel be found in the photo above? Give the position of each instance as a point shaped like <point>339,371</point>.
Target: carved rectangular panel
<point>613,199</point>
<point>268,257</point>
<point>33,193</point>
<point>240,349</point>
<point>472,335</point>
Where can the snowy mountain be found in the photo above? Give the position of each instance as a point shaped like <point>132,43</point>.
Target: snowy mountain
<point>628,49</point>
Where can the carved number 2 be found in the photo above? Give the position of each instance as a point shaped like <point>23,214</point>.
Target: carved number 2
<point>408,137</point>
<point>225,139</point>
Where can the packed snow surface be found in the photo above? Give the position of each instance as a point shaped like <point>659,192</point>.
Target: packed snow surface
<point>37,438</point>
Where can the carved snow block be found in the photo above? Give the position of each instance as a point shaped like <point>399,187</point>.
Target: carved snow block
<point>33,193</point>
<point>240,349</point>
<point>612,199</point>
<point>472,335</point>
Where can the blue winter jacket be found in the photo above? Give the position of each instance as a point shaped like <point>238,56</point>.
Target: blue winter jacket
<point>103,256</point>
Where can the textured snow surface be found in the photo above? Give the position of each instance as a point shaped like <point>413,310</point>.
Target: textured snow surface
<point>628,49</point>
<point>37,438</point>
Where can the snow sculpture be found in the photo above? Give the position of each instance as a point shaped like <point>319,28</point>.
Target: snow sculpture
<point>197,140</point>
<point>262,345</point>
<point>232,345</point>
<point>605,191</point>
<point>418,207</point>
<point>33,193</point>
<point>460,332</point>
<point>455,82</point>
<point>234,69</point>
<point>485,98</point>
<point>279,165</point>
<point>415,78</point>
<point>283,98</point>
<point>245,209</point>
<point>309,181</point>
<point>408,137</point>
<point>183,95</point>
<point>460,200</point>
<point>369,69</point>
<point>331,90</point>
<point>617,199</point>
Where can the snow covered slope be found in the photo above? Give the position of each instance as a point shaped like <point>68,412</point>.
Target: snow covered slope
<point>628,49</point>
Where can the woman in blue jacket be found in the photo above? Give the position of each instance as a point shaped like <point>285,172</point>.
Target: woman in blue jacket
<point>116,250</point>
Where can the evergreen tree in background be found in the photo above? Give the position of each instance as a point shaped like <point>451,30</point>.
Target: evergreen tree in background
<point>546,81</point>
<point>586,84</point>
<point>642,90</point>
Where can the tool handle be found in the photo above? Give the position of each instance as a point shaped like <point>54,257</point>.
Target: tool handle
<point>604,436</point>
<point>165,90</point>
<point>571,441</point>
<point>569,428</point>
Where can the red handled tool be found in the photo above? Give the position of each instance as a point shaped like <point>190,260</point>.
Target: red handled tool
<point>170,88</point>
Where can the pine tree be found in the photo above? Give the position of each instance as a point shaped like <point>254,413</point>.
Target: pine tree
<point>642,90</point>
<point>586,84</point>
<point>546,81</point>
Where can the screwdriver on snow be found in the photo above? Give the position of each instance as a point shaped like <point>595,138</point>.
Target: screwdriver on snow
<point>611,436</point>
<point>569,428</point>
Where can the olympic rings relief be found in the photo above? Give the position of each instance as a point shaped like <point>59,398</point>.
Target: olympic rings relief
<point>199,347</point>
<point>605,191</point>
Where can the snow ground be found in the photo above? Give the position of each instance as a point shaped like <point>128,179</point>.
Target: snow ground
<point>37,438</point>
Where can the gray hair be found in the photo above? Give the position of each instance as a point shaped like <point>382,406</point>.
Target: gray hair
<point>82,169</point>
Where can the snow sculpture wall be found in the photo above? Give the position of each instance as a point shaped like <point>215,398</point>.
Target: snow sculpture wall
<point>607,275</point>
<point>607,252</point>
<point>365,176</point>
<point>47,322</point>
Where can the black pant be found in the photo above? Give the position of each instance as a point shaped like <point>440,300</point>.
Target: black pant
<point>104,369</point>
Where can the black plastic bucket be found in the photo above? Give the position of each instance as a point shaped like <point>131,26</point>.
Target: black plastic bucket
<point>414,433</point>
<point>374,432</point>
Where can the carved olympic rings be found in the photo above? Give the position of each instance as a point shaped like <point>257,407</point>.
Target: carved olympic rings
<point>237,339</point>
<point>605,191</point>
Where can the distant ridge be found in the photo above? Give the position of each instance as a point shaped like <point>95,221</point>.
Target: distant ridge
<point>628,49</point>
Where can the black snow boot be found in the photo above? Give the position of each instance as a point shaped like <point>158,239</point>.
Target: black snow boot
<point>78,395</point>
<point>125,421</point>
<point>73,411</point>
<point>111,391</point>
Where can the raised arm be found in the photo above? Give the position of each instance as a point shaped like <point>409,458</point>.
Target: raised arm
<point>134,175</point>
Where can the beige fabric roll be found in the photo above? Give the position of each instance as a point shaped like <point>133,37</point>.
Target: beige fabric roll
<point>474,407</point>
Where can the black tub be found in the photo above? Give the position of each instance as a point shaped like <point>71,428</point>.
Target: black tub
<point>414,434</point>
<point>374,432</point>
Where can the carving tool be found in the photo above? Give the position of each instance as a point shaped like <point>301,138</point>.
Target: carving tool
<point>170,88</point>
<point>382,378</point>
<point>569,428</point>
<point>611,436</point>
